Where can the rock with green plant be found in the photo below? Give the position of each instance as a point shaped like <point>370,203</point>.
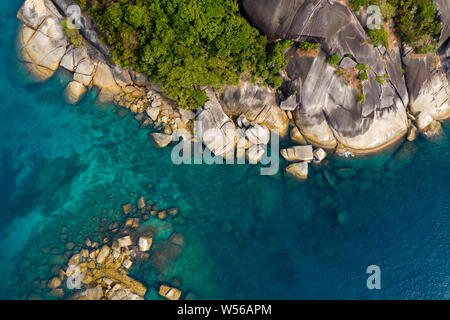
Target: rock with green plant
<point>332,112</point>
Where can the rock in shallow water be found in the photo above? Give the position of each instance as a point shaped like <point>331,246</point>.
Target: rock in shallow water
<point>298,170</point>
<point>124,242</point>
<point>412,134</point>
<point>345,173</point>
<point>319,154</point>
<point>54,283</point>
<point>74,92</point>
<point>423,120</point>
<point>153,113</point>
<point>255,153</point>
<point>403,157</point>
<point>103,254</point>
<point>169,292</point>
<point>434,129</point>
<point>95,293</point>
<point>140,203</point>
<point>161,140</point>
<point>298,153</point>
<point>145,243</point>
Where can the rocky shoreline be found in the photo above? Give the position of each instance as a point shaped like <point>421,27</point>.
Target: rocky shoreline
<point>100,270</point>
<point>316,104</point>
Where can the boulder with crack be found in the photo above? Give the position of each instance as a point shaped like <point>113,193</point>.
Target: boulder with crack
<point>257,104</point>
<point>328,114</point>
<point>218,131</point>
<point>42,43</point>
<point>428,85</point>
<point>428,76</point>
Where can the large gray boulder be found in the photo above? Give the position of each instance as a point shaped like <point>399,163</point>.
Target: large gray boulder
<point>298,171</point>
<point>161,140</point>
<point>428,76</point>
<point>218,131</point>
<point>428,85</point>
<point>298,153</point>
<point>41,42</point>
<point>74,92</point>
<point>328,114</point>
<point>257,104</point>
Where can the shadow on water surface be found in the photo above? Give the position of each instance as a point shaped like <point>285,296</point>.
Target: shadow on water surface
<point>48,185</point>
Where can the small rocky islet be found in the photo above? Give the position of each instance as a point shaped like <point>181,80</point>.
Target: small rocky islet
<point>315,109</point>
<point>91,270</point>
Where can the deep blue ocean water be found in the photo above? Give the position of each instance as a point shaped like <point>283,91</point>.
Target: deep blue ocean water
<point>247,236</point>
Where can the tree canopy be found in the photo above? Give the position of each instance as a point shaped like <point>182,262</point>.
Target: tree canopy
<point>185,45</point>
<point>416,22</point>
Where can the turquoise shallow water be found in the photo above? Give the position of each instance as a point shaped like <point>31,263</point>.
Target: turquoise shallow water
<point>247,236</point>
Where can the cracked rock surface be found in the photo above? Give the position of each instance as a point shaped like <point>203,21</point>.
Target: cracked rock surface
<point>328,114</point>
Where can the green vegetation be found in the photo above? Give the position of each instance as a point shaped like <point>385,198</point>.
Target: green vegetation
<point>360,98</point>
<point>73,34</point>
<point>286,44</point>
<point>388,11</point>
<point>334,59</point>
<point>357,4</point>
<point>416,22</point>
<point>379,37</point>
<point>427,48</point>
<point>340,73</point>
<point>363,76</point>
<point>380,79</point>
<point>361,67</point>
<point>383,78</point>
<point>185,45</point>
<point>308,46</point>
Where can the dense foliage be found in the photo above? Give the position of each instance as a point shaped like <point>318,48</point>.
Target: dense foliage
<point>185,45</point>
<point>72,33</point>
<point>357,4</point>
<point>415,22</point>
<point>361,67</point>
<point>360,98</point>
<point>383,78</point>
<point>379,37</point>
<point>305,45</point>
<point>363,76</point>
<point>334,59</point>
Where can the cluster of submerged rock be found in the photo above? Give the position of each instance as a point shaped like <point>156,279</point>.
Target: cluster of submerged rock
<point>99,271</point>
<point>316,101</point>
